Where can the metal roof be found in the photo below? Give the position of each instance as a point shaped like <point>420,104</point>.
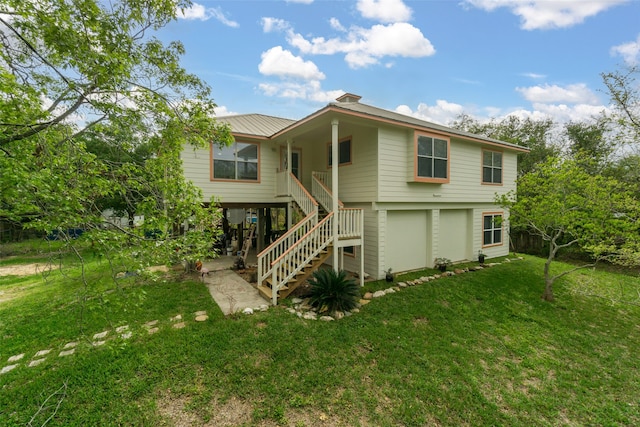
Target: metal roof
<point>256,124</point>
<point>380,113</point>
<point>268,126</point>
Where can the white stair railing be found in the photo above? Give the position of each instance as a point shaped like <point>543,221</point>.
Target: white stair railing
<point>298,256</point>
<point>323,177</point>
<point>280,246</point>
<point>322,192</point>
<point>301,196</point>
<point>310,208</point>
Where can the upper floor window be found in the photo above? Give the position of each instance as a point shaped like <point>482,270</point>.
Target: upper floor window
<point>344,153</point>
<point>432,159</point>
<point>492,167</point>
<point>491,229</point>
<point>238,161</point>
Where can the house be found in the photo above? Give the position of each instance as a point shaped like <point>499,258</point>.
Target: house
<point>406,191</point>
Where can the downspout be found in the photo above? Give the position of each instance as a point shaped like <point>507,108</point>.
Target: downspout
<point>335,162</point>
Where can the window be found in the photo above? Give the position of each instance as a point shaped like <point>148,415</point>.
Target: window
<point>491,167</point>
<point>432,159</point>
<point>237,162</point>
<point>344,152</point>
<point>349,250</point>
<point>491,229</point>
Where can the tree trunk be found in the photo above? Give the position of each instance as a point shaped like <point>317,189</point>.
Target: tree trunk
<point>547,295</point>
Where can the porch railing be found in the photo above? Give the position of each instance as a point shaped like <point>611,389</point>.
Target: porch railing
<point>298,256</point>
<point>350,223</point>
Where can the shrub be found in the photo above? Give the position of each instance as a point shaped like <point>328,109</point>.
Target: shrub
<point>331,291</point>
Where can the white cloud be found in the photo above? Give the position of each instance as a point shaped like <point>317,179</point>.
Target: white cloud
<point>559,113</point>
<point>310,91</point>
<point>222,111</point>
<point>630,52</point>
<point>366,46</point>
<point>534,76</point>
<point>274,24</point>
<point>282,63</point>
<point>547,14</point>
<point>443,112</point>
<point>577,93</point>
<point>387,11</point>
<point>336,25</point>
<point>201,13</point>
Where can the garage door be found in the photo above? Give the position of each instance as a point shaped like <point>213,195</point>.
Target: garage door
<point>406,240</point>
<point>453,234</point>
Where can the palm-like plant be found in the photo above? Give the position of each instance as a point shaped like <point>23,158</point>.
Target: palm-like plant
<point>333,291</point>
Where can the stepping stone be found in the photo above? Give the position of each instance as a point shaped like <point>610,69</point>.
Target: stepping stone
<point>151,324</point>
<point>36,362</point>
<point>200,313</point>
<point>68,345</point>
<point>153,330</point>
<point>121,329</point>
<point>201,318</point>
<point>180,325</point>
<point>126,335</point>
<point>15,358</point>
<point>100,335</point>
<point>98,343</point>
<point>7,369</point>
<point>42,353</point>
<point>67,352</point>
<point>176,318</point>
<point>365,301</point>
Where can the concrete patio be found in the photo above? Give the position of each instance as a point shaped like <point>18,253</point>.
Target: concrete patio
<point>228,289</point>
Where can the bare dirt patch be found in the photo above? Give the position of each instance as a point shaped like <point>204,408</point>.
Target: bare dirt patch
<point>237,412</point>
<point>25,269</point>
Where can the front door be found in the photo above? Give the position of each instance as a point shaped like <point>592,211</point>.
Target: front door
<point>296,160</point>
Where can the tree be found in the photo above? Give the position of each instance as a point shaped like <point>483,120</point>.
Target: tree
<point>565,205</point>
<point>74,75</point>
<point>536,135</point>
<point>625,95</point>
<point>590,144</point>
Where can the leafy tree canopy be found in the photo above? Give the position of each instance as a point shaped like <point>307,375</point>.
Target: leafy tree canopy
<point>536,135</point>
<point>565,205</point>
<point>95,108</point>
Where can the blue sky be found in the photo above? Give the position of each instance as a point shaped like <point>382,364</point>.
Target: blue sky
<point>432,59</point>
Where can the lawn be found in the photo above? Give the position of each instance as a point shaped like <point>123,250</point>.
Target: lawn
<point>474,349</point>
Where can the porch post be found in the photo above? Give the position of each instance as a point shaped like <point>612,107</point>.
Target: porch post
<point>335,162</point>
<point>288,167</point>
<point>288,171</point>
<point>362,251</point>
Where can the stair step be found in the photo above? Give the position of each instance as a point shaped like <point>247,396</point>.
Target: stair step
<point>269,284</point>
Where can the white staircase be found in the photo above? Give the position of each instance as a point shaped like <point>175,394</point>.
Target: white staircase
<point>291,259</point>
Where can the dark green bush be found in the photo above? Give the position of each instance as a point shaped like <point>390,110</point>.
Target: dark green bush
<point>331,291</point>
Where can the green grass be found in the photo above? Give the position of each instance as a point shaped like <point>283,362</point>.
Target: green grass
<point>473,349</point>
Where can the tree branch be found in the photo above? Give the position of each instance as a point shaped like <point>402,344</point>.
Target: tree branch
<point>34,129</point>
<point>62,391</point>
<point>564,273</point>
